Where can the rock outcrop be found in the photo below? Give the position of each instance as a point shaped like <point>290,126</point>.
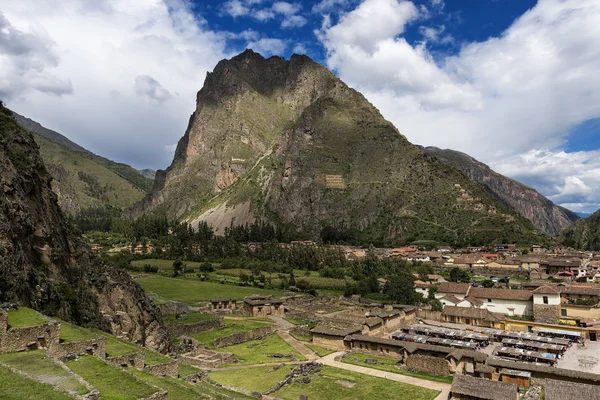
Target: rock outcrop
<point>584,234</point>
<point>294,145</point>
<point>45,267</point>
<point>543,213</point>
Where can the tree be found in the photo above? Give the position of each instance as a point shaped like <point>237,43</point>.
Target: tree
<point>206,267</point>
<point>400,289</point>
<point>177,267</point>
<point>303,285</point>
<point>436,305</point>
<point>487,283</point>
<point>459,275</point>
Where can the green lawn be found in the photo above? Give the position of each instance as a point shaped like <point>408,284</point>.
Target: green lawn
<point>391,365</point>
<point>302,338</point>
<point>36,363</point>
<point>193,291</point>
<point>258,379</point>
<point>73,333</point>
<point>261,349</point>
<point>151,357</point>
<point>162,264</point>
<point>178,389</point>
<point>187,369</point>
<point>23,317</point>
<point>117,347</point>
<point>14,386</point>
<point>112,382</point>
<point>321,351</point>
<point>326,386</point>
<point>191,318</point>
<point>231,326</point>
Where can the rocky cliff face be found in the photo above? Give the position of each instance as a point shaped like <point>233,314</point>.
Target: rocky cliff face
<point>584,234</point>
<point>44,266</point>
<point>543,213</point>
<point>288,142</point>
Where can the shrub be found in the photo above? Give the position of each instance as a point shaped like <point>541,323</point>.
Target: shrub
<point>150,268</point>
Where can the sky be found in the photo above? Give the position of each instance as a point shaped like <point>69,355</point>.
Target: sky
<point>513,83</point>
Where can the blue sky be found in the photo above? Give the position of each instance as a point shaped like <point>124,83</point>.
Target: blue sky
<point>513,83</point>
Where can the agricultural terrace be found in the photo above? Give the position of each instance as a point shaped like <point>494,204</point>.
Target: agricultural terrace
<point>14,386</point>
<point>194,291</point>
<point>25,317</point>
<point>330,383</point>
<point>37,364</point>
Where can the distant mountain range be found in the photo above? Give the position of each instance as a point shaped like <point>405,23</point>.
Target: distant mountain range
<point>83,179</point>
<point>543,213</point>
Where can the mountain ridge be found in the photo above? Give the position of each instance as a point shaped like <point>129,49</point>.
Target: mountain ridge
<point>542,212</point>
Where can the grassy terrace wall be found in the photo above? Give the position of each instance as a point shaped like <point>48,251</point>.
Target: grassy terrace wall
<point>176,330</point>
<point>28,330</point>
<point>243,337</point>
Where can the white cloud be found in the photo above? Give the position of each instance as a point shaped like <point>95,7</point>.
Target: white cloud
<point>329,5</point>
<point>264,15</point>
<point>497,99</point>
<point>285,8</point>
<point>268,46</point>
<point>299,48</point>
<point>149,88</point>
<point>294,21</point>
<point>93,53</point>
<point>236,8</point>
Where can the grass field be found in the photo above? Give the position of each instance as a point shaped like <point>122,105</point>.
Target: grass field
<point>151,357</point>
<point>162,264</point>
<point>327,386</point>
<point>36,363</point>
<point>23,317</point>
<point>321,351</point>
<point>192,291</point>
<point>323,386</point>
<point>231,326</point>
<point>191,318</point>
<point>73,333</point>
<point>187,369</point>
<point>258,379</point>
<point>258,351</point>
<point>390,365</point>
<point>14,386</point>
<point>112,382</point>
<point>116,347</point>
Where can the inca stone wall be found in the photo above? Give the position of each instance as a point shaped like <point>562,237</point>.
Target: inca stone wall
<point>167,369</point>
<point>128,360</point>
<point>432,365</point>
<point>546,313</point>
<point>243,337</point>
<point>174,307</point>
<point>33,337</point>
<point>95,347</point>
<point>177,330</point>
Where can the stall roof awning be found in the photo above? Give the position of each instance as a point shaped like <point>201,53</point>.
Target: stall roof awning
<point>559,332</point>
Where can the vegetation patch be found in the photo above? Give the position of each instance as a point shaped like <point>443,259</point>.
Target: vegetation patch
<point>187,369</point>
<point>72,333</point>
<point>192,291</point>
<point>320,351</point>
<point>326,386</point>
<point>191,318</point>
<point>37,364</point>
<point>259,379</point>
<point>24,317</point>
<point>261,351</point>
<point>112,382</point>
<point>391,365</point>
<point>231,326</point>
<point>116,347</point>
<point>14,386</point>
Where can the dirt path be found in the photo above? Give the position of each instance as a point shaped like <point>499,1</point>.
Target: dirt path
<point>443,387</point>
<point>298,345</point>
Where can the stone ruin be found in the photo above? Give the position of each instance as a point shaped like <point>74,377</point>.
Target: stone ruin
<point>299,374</point>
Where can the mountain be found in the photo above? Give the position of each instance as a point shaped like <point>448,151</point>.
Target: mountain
<point>289,143</point>
<point>45,267</point>
<point>83,179</point>
<point>584,234</point>
<point>543,213</point>
<point>147,173</point>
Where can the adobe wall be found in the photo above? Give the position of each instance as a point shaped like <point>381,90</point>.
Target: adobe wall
<point>170,368</point>
<point>431,315</point>
<point>243,337</point>
<point>129,360</point>
<point>33,337</point>
<point>95,347</point>
<point>328,342</point>
<point>429,364</point>
<point>384,351</point>
<point>177,330</point>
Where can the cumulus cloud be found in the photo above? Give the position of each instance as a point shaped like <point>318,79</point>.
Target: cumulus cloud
<point>497,99</point>
<point>101,68</point>
<point>294,21</point>
<point>268,46</point>
<point>236,8</point>
<point>149,88</point>
<point>329,5</point>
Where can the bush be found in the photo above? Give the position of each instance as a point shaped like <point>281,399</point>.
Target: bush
<point>150,268</point>
<point>206,267</point>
